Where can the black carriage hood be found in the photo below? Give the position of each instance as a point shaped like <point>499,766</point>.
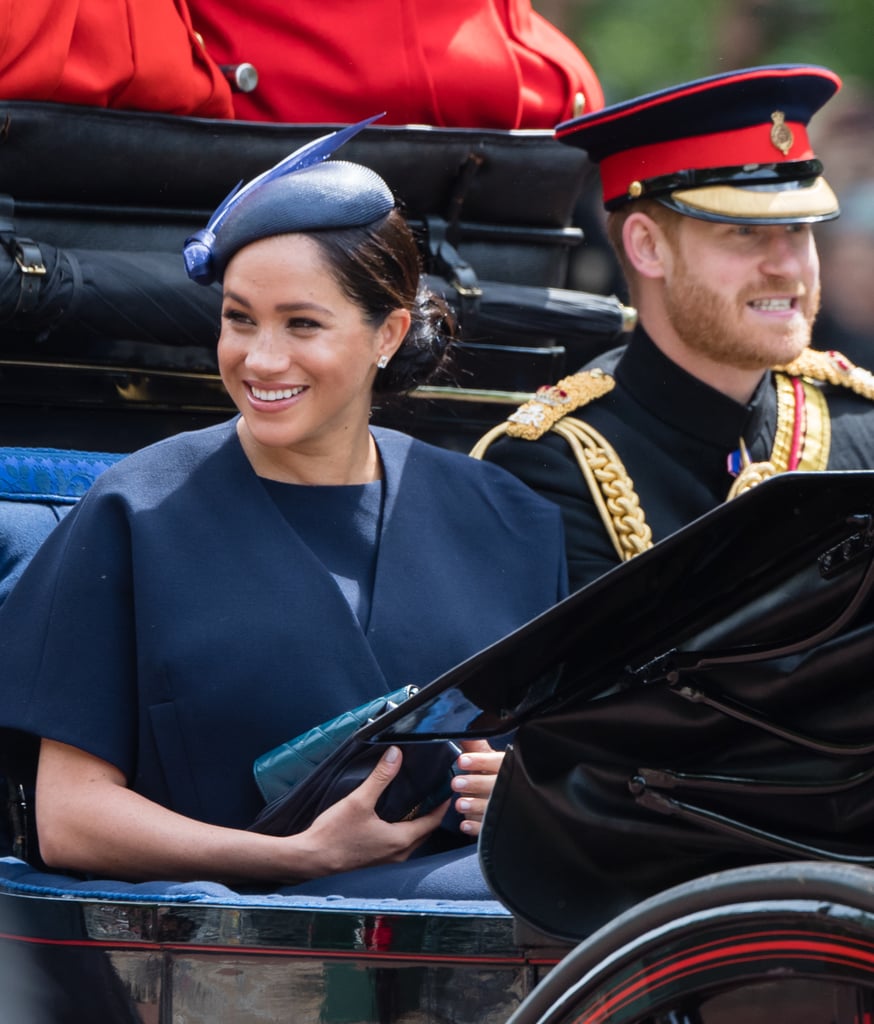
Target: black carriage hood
<point>776,567</point>
<point>703,706</point>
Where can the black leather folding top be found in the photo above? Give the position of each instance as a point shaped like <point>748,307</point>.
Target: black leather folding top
<point>89,177</point>
<point>767,570</point>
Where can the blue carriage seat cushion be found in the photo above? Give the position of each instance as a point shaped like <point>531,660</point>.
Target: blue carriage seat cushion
<point>38,486</point>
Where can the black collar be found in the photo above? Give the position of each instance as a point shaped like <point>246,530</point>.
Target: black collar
<point>684,402</point>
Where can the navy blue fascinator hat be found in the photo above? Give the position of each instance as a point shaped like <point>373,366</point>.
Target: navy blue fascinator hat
<point>301,193</point>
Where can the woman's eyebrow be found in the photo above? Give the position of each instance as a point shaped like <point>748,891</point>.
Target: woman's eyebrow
<point>282,307</point>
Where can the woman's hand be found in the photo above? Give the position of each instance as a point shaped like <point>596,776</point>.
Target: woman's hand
<point>350,834</point>
<point>89,821</point>
<point>480,765</point>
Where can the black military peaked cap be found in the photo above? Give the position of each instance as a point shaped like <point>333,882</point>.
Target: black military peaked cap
<point>732,147</point>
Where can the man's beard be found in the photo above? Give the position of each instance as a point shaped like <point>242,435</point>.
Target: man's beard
<point>711,325</point>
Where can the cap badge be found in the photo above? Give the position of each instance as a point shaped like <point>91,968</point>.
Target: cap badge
<point>781,134</point>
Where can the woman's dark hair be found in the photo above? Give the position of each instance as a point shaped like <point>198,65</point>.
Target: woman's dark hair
<point>379,268</point>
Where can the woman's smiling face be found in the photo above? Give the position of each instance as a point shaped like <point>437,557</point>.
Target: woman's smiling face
<point>296,355</point>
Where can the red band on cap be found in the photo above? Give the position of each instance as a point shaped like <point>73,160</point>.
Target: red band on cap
<point>700,152</point>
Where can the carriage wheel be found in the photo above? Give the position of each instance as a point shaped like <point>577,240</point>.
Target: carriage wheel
<point>774,943</point>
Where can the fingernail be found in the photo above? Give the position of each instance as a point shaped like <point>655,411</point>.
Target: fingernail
<point>459,782</point>
<point>464,761</point>
<point>464,805</point>
<point>467,826</point>
<point>392,754</point>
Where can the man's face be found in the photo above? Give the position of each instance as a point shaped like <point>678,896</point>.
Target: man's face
<point>744,296</point>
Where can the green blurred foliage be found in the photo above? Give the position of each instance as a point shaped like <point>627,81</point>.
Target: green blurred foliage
<point>636,46</point>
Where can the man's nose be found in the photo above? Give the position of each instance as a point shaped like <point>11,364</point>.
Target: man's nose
<point>785,254</point>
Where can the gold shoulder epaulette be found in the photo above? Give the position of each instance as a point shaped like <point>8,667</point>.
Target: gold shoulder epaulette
<point>831,368</point>
<point>552,403</point>
<point>605,476</point>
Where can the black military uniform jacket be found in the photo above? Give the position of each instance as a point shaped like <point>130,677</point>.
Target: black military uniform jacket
<point>674,435</point>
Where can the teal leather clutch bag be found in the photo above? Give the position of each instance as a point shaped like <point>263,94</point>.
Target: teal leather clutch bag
<point>305,776</point>
<point>282,768</point>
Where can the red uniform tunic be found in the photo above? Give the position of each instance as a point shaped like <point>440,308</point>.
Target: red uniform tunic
<point>132,54</point>
<point>457,63</point>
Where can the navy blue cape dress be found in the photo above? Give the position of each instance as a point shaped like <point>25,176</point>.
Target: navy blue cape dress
<point>174,625</point>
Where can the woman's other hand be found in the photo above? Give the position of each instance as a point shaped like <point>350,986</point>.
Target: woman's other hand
<point>478,766</point>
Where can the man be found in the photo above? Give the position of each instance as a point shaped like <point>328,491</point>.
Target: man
<point>712,188</point>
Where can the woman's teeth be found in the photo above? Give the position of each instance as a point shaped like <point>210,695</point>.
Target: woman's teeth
<point>274,396</point>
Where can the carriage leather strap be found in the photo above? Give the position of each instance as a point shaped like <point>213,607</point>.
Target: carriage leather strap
<point>27,257</point>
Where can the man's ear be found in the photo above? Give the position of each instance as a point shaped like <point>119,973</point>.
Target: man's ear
<point>646,246</point>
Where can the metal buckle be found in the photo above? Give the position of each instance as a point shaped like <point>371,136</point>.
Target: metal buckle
<point>467,291</point>
<point>29,267</point>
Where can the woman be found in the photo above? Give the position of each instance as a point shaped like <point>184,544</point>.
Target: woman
<point>225,589</point>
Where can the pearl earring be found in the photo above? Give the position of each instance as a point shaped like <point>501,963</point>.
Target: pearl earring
<point>382,362</point>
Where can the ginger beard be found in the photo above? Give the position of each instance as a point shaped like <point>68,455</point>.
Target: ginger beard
<point>715,326</point>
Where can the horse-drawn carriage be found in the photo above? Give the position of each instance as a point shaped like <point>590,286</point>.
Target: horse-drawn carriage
<point>688,793</point>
